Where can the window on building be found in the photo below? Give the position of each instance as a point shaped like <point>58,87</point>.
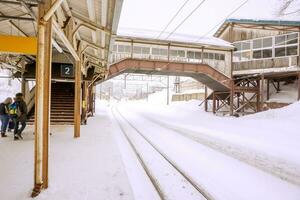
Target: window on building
<point>286,45</point>
<point>177,53</point>
<point>194,55</point>
<point>262,48</point>
<point>219,56</point>
<point>123,48</point>
<point>244,51</point>
<point>159,51</point>
<point>141,50</point>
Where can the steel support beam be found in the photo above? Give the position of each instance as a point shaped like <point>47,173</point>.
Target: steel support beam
<point>42,101</point>
<point>77,104</point>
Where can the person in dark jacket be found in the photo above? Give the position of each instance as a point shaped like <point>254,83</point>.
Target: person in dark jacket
<point>21,116</point>
<point>4,115</point>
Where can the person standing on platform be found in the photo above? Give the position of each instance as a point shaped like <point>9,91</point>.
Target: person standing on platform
<point>4,115</point>
<point>21,116</point>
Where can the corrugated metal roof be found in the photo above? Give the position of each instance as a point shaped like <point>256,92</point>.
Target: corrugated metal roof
<point>272,22</point>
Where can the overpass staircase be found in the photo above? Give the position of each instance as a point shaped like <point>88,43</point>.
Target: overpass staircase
<point>226,92</point>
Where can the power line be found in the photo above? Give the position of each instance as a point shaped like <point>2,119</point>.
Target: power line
<point>196,8</point>
<point>173,18</point>
<point>236,9</point>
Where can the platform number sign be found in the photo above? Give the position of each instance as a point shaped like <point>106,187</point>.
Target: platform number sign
<point>67,70</point>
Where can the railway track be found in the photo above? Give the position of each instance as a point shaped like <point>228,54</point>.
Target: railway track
<point>272,165</point>
<point>122,121</point>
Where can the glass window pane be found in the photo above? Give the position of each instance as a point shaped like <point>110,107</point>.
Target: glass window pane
<point>173,53</point>
<point>238,46</point>
<point>191,54</point>
<point>292,50</point>
<point>257,54</point>
<point>205,55</point>
<point>181,53</point>
<point>155,51</point>
<point>120,48</point>
<point>137,50</point>
<point>145,50</point>
<point>267,42</point>
<point>246,45</point>
<point>127,49</point>
<point>257,44</point>
<point>267,53</point>
<point>280,52</point>
<point>198,55</point>
<point>211,55</point>
<point>280,40</point>
<point>163,52</point>
<point>222,57</point>
<point>245,55</point>
<point>292,39</point>
<point>236,56</point>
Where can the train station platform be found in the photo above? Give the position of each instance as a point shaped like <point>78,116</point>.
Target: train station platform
<point>87,168</point>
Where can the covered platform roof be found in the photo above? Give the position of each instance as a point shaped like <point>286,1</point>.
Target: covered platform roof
<point>288,24</point>
<point>93,22</point>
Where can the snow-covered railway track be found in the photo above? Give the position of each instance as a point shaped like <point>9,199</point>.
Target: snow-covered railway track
<point>278,167</point>
<point>168,179</point>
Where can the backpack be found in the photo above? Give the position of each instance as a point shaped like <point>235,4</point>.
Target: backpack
<point>13,110</point>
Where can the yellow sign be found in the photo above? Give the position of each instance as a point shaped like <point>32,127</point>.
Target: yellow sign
<point>18,44</point>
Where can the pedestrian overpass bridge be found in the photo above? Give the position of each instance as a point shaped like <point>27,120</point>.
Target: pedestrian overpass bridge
<point>208,63</point>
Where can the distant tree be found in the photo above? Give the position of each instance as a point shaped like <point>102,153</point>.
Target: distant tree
<point>289,7</point>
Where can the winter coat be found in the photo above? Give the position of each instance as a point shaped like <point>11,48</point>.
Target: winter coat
<point>22,110</point>
<point>4,109</point>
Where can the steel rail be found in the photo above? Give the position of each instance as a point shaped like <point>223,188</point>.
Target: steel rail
<point>201,190</point>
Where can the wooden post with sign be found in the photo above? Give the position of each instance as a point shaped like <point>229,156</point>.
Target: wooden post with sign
<point>77,104</point>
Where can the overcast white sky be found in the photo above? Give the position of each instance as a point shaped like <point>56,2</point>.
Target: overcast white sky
<point>155,14</point>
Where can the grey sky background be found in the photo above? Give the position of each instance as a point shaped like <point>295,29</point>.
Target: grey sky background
<point>155,14</point>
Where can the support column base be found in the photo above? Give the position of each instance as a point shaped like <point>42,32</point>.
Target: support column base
<point>36,190</point>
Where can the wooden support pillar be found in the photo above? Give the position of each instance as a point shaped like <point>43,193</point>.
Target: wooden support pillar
<point>262,92</point>
<point>205,99</point>
<point>84,103</point>
<point>23,87</point>
<point>42,100</point>
<point>268,89</point>
<point>94,99</point>
<point>77,104</point>
<point>298,86</point>
<point>214,103</point>
<point>231,98</point>
<point>258,96</point>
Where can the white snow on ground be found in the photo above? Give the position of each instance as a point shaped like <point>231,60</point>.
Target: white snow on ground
<point>288,93</point>
<point>86,168</point>
<point>267,143</point>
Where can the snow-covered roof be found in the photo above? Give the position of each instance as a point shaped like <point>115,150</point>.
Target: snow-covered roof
<point>175,37</point>
<point>272,21</point>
